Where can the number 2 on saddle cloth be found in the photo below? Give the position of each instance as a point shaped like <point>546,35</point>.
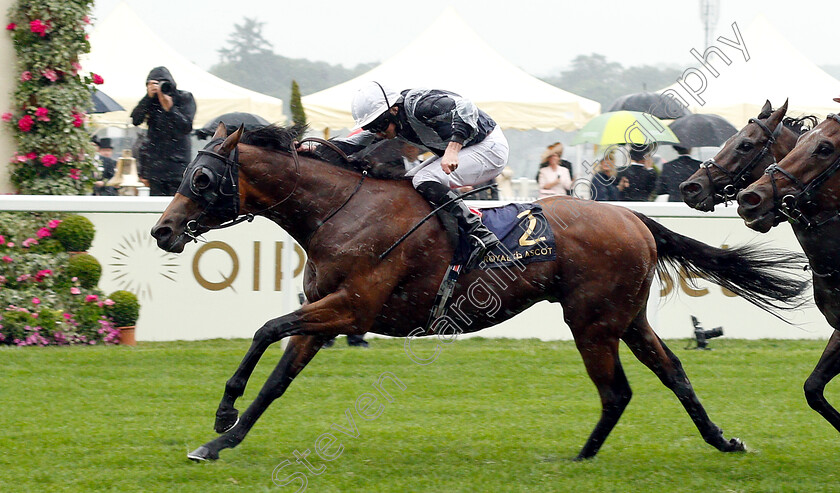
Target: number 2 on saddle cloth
<point>524,237</point>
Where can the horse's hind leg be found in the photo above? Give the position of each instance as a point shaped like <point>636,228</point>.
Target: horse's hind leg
<point>651,351</point>
<point>827,368</point>
<point>601,359</point>
<point>299,352</point>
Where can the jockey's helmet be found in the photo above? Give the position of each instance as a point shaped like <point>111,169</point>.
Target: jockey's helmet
<point>372,100</point>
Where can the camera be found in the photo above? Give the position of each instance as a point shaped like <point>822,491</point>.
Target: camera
<point>702,335</point>
<point>167,88</point>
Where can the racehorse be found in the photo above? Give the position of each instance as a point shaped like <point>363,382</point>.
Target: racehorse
<point>804,188</point>
<point>607,257</point>
<point>766,139</point>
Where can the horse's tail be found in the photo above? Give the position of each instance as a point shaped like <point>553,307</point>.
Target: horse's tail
<point>761,276</point>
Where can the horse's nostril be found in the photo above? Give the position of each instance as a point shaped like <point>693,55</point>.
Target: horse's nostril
<point>750,199</point>
<point>690,188</point>
<point>161,232</point>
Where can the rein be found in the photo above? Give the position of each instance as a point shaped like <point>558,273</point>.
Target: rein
<point>731,189</point>
<point>791,204</point>
<point>420,223</point>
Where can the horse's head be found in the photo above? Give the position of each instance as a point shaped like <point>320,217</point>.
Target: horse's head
<point>739,162</point>
<point>803,185</point>
<point>208,195</point>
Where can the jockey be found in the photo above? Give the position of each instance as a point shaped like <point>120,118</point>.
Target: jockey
<point>469,147</point>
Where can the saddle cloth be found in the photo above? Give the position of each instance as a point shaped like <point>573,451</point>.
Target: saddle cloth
<point>524,233</point>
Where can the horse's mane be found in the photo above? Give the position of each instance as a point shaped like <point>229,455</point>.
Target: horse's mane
<point>278,138</point>
<point>802,124</point>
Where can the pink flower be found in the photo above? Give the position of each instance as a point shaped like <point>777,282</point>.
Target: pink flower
<point>78,120</point>
<point>66,158</point>
<point>38,27</point>
<point>75,290</point>
<point>50,74</point>
<point>74,278</point>
<point>91,297</point>
<point>36,301</point>
<point>25,123</point>
<point>86,19</point>
<point>19,158</point>
<point>11,26</point>
<point>7,258</point>
<point>66,315</point>
<point>30,156</point>
<point>10,244</point>
<point>29,242</point>
<point>45,272</point>
<point>74,173</point>
<point>2,240</point>
<point>44,232</point>
<point>26,76</point>
<point>23,277</point>
<point>76,67</point>
<point>41,114</point>
<point>7,117</point>
<point>49,160</point>
<point>97,79</point>
<point>54,223</point>
<point>109,302</point>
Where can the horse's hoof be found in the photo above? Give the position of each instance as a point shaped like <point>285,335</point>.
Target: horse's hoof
<point>225,420</point>
<point>736,445</point>
<point>202,454</point>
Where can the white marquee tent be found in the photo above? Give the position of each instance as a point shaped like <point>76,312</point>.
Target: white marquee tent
<point>775,71</point>
<point>124,50</point>
<point>508,94</point>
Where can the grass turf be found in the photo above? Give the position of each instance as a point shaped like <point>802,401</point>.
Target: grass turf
<point>487,415</point>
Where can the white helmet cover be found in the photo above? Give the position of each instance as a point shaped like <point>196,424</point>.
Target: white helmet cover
<point>372,100</point>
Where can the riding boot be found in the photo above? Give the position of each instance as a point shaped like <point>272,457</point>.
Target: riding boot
<point>481,239</point>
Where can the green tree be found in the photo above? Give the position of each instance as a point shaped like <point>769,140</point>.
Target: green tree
<point>298,115</point>
<point>245,41</point>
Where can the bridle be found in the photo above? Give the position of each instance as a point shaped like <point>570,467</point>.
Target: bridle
<point>738,181</point>
<point>791,204</point>
<point>212,181</point>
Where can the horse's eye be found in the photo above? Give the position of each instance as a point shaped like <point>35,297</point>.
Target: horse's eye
<point>202,179</point>
<point>825,149</point>
<point>745,146</point>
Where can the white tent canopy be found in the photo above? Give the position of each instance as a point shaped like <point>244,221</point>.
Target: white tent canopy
<point>775,71</point>
<point>124,50</point>
<point>512,97</point>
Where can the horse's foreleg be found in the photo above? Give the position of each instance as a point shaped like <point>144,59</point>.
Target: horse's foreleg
<point>299,352</point>
<point>651,351</point>
<point>604,368</point>
<point>827,368</point>
<point>271,332</point>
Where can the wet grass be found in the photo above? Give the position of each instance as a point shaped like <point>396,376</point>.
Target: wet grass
<point>486,415</point>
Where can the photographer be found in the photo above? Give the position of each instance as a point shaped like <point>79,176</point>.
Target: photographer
<point>169,113</point>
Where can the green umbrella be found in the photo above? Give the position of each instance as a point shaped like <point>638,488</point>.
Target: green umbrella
<point>625,127</point>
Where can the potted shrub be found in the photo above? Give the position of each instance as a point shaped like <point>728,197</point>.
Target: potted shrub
<point>124,312</point>
<point>75,232</point>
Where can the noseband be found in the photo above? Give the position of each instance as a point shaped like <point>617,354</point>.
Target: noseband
<point>791,204</point>
<point>738,181</point>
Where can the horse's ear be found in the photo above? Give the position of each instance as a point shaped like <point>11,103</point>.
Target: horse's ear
<point>777,115</point>
<point>221,132</point>
<point>232,141</point>
<point>766,110</point>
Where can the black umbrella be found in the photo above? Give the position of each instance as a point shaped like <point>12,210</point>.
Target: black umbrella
<point>232,121</point>
<point>650,102</point>
<point>102,103</point>
<point>698,130</point>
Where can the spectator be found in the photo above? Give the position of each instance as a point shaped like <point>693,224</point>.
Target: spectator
<point>557,146</point>
<point>637,181</point>
<point>553,178</point>
<point>105,167</point>
<point>675,172</point>
<point>604,186</point>
<point>166,151</point>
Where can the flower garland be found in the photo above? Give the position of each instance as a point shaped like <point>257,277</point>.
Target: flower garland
<point>55,156</point>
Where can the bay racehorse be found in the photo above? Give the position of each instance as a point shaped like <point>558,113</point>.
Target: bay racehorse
<point>606,260</point>
<point>766,139</point>
<point>804,188</point>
